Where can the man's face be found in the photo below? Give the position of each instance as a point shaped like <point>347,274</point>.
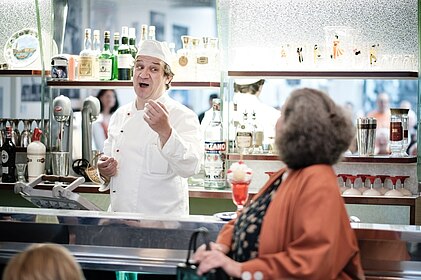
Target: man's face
<point>148,78</point>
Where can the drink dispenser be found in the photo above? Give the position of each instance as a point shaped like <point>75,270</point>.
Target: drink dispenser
<point>90,112</point>
<point>63,114</point>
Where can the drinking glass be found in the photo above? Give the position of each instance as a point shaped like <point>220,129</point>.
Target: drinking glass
<point>240,192</point>
<point>402,189</point>
<point>371,191</point>
<point>352,190</point>
<point>26,135</point>
<point>20,169</point>
<point>393,191</point>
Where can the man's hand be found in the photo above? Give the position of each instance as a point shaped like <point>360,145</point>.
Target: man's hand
<point>156,116</point>
<point>107,166</point>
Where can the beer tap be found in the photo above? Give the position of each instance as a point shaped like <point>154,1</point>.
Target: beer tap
<point>90,112</point>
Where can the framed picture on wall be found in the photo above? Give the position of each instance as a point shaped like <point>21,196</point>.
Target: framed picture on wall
<point>158,20</point>
<point>177,32</point>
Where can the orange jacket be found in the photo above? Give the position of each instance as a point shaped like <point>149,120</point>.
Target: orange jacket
<point>305,233</point>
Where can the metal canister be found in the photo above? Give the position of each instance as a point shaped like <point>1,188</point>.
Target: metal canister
<point>366,136</point>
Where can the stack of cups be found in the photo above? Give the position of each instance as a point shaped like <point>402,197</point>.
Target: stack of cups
<point>366,136</point>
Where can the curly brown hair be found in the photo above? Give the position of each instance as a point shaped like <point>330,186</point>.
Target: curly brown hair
<point>313,130</point>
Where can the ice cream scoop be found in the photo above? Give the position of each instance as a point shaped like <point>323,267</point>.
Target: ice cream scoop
<point>239,172</point>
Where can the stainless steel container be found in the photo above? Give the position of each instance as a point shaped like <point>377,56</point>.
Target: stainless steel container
<point>366,136</point>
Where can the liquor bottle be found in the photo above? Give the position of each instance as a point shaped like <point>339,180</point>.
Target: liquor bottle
<point>96,49</point>
<point>36,154</point>
<point>234,123</point>
<point>105,60</point>
<point>244,136</point>
<point>184,60</point>
<point>215,150</point>
<point>194,54</point>
<point>8,158</point>
<point>202,60</point>
<point>86,56</point>
<point>115,55</point>
<point>257,134</point>
<point>125,59</point>
<point>143,34</point>
<point>214,60</point>
<point>151,33</point>
<point>132,46</point>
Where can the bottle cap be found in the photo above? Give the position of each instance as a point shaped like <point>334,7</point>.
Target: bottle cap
<point>36,136</point>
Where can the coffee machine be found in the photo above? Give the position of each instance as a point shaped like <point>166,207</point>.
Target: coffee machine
<point>90,111</point>
<point>63,114</point>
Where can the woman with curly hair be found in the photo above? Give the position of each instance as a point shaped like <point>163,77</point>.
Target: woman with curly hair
<point>297,226</point>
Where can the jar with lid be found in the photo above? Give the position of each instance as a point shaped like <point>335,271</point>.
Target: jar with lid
<point>397,131</point>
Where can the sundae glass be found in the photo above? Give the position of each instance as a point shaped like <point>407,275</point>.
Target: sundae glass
<point>239,177</point>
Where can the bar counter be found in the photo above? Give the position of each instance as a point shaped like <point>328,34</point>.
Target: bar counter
<point>104,241</point>
<point>220,200</point>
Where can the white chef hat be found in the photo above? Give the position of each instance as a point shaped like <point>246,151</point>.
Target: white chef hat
<point>155,49</point>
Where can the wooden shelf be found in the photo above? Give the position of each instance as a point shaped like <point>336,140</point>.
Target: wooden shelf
<point>327,74</point>
<point>124,84</point>
<point>351,159</point>
<point>22,73</point>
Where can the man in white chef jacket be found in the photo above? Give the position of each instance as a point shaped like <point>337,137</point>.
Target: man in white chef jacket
<point>154,143</point>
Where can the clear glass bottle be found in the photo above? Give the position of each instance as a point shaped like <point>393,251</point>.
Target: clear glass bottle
<point>396,132</point>
<point>184,60</point>
<point>215,150</point>
<point>151,33</point>
<point>86,58</point>
<point>105,60</point>
<point>257,131</point>
<point>405,127</point>
<point>203,60</point>
<point>125,59</point>
<point>143,34</point>
<point>96,49</point>
<point>244,136</point>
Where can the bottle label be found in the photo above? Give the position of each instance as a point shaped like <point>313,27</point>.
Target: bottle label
<point>85,66</point>
<point>215,154</point>
<point>396,133</point>
<point>202,60</point>
<point>5,170</point>
<point>105,69</point>
<point>183,60</point>
<point>124,61</point>
<point>244,139</point>
<point>4,157</point>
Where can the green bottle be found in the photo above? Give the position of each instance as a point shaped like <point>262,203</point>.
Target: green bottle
<point>115,55</point>
<point>105,60</point>
<point>132,46</point>
<point>125,59</point>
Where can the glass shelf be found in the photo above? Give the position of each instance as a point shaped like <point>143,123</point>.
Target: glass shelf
<point>327,74</point>
<point>124,84</point>
<point>373,159</point>
<point>20,73</point>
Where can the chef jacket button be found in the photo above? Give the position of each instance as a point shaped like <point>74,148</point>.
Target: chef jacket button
<point>113,191</point>
<point>121,131</point>
<point>118,150</point>
<point>128,114</point>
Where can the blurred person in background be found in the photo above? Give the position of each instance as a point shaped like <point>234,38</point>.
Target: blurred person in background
<point>43,262</point>
<point>109,104</point>
<point>296,226</point>
<point>382,112</point>
<point>208,111</point>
